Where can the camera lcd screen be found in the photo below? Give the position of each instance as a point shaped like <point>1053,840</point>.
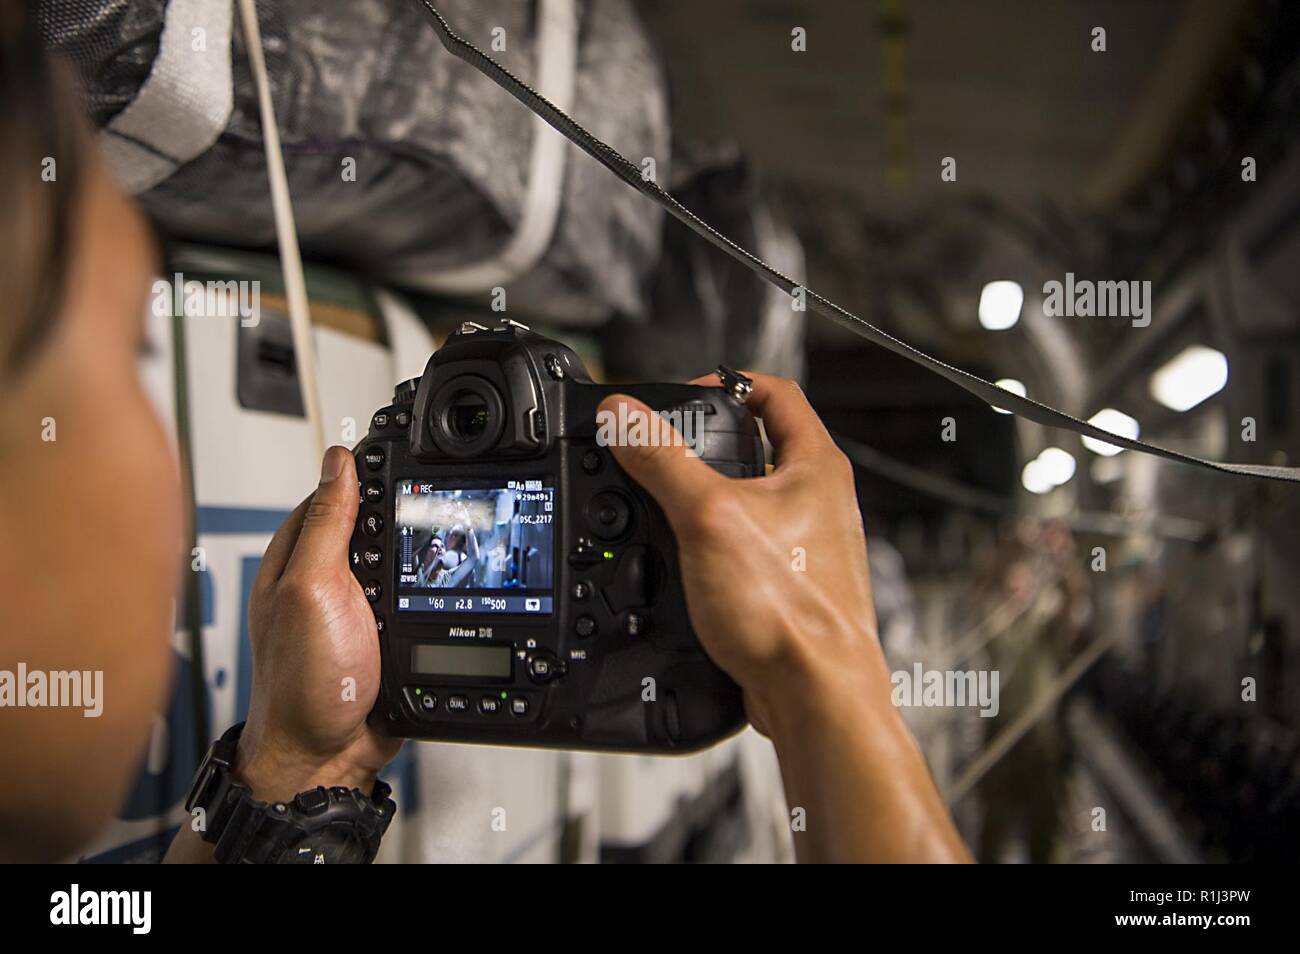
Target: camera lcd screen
<point>488,662</point>
<point>475,549</point>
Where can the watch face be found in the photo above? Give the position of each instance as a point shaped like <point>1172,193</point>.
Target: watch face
<point>335,845</point>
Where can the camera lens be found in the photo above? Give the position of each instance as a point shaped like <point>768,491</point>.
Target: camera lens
<point>468,416</point>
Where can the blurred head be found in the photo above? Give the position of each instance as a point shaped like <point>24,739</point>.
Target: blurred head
<point>88,467</point>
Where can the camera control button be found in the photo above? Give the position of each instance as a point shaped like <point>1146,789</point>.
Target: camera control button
<point>380,625</point>
<point>373,524</point>
<point>542,667</point>
<point>428,701</point>
<point>373,492</point>
<point>519,706</point>
<point>636,624</point>
<point>380,420</point>
<point>581,590</point>
<point>585,626</point>
<point>403,419</point>
<point>458,703</point>
<point>489,705</point>
<point>373,590</point>
<point>592,462</point>
<point>373,558</point>
<point>608,514</point>
<point>375,457</point>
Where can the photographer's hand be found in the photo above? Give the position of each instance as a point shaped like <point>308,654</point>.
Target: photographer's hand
<point>776,581</point>
<point>315,659</point>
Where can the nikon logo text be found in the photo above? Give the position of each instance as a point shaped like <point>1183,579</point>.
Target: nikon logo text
<point>75,907</point>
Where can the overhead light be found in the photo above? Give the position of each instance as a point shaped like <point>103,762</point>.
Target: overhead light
<point>1049,469</point>
<point>1118,423</point>
<point>1000,305</point>
<point>1057,465</point>
<point>1190,378</point>
<point>1009,384</point>
<point>1034,478</point>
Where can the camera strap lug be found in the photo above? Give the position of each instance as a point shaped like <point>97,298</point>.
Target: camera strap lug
<point>734,383</point>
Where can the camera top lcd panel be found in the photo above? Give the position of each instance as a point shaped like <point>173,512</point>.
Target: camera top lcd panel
<point>526,591</point>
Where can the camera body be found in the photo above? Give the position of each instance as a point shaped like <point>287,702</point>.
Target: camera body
<point>526,590</point>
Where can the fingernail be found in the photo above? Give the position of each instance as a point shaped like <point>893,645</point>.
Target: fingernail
<point>331,465</point>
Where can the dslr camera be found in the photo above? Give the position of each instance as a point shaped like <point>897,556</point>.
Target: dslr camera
<point>526,590</point>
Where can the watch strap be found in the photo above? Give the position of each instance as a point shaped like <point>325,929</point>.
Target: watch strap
<point>245,830</point>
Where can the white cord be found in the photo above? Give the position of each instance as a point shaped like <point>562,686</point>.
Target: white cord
<point>286,233</point>
<point>557,65</point>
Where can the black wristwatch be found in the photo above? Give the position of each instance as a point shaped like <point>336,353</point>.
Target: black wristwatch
<point>321,826</point>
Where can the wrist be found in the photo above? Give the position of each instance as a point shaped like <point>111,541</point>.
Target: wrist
<point>274,771</point>
<point>828,684</point>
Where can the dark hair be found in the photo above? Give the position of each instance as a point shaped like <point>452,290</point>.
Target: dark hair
<point>40,121</point>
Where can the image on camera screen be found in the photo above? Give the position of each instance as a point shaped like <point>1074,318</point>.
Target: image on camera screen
<point>492,545</point>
